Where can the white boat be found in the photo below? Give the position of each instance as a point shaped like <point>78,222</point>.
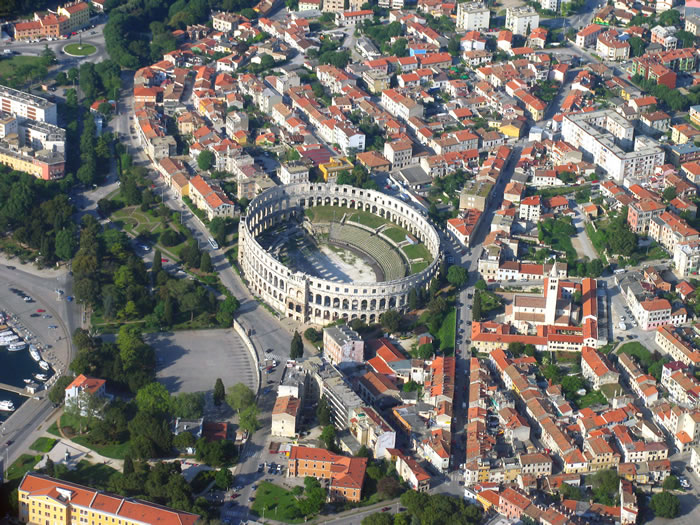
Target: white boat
<point>27,381</point>
<point>41,377</point>
<point>34,353</point>
<point>5,333</point>
<point>16,347</point>
<point>4,341</point>
<point>7,406</point>
<point>44,365</point>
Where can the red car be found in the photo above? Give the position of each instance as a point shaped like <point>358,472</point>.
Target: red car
<point>163,260</point>
<point>385,509</point>
<point>40,311</point>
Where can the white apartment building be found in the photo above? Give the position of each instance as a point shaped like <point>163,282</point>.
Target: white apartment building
<point>473,16</point>
<point>391,4</point>
<point>553,5</point>
<point>522,20</point>
<point>600,134</point>
<point>32,133</point>
<point>293,172</point>
<point>399,153</point>
<point>27,105</point>
<point>686,258</point>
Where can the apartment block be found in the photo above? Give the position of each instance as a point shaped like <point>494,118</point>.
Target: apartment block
<point>473,16</point>
<point>293,172</point>
<point>522,20</point>
<point>342,344</point>
<point>27,105</point>
<point>603,134</point>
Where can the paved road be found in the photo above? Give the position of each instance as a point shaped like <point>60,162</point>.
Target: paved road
<point>19,428</point>
<point>97,40</point>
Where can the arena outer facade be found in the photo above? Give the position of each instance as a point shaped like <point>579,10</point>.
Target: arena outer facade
<point>306,298</point>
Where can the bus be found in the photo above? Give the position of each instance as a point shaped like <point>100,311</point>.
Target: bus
<point>213,243</point>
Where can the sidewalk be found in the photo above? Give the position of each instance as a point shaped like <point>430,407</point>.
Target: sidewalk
<point>47,273</point>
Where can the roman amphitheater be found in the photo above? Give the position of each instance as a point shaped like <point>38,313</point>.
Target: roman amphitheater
<point>318,252</point>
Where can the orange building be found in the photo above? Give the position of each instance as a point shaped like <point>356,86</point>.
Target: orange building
<point>346,474</point>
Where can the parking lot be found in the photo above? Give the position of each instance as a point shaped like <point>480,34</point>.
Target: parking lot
<point>191,361</point>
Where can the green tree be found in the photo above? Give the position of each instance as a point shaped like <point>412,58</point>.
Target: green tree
<point>391,320</point>
<point>128,467</point>
<point>476,308</point>
<point>328,437</point>
<point>223,479</point>
<point>453,46</point>
<point>205,160</point>
<point>205,263</point>
<point>516,348</point>
<point>248,418</point>
<point>671,483</point>
<point>413,300</point>
<point>183,441</point>
<point>187,405</point>
<point>669,193</point>
<point>480,285</point>
<point>296,350</point>
<point>670,18</point>
<point>153,399</point>
<point>389,487</point>
<point>58,392</point>
<point>457,276</point>
<point>219,392</point>
<point>49,467</point>
<point>240,396</point>
<point>66,244</point>
<point>312,335</point>
<point>425,351</point>
<point>664,504</point>
<point>323,412</point>
<point>378,518</point>
<point>157,262</point>
<point>637,46</point>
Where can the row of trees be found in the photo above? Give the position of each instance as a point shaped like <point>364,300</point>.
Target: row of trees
<point>426,509</point>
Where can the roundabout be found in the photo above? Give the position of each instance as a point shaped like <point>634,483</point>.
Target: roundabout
<point>79,50</point>
<point>319,252</point>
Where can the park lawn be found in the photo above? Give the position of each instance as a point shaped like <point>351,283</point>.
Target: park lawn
<point>53,429</point>
<point>9,66</point>
<point>395,233</point>
<point>43,444</point>
<point>446,335</point>
<point>639,351</point>
<point>596,397</point>
<point>279,504</point>
<point>551,192</point>
<point>597,237</point>
<point>95,475</point>
<point>489,301</point>
<point>22,465</point>
<point>114,450</point>
<point>80,49</point>
<point>417,251</point>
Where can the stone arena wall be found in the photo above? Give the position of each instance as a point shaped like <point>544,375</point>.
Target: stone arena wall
<point>307,298</point>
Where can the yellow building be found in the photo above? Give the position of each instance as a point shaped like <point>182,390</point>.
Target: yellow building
<point>78,14</point>
<point>331,168</point>
<point>510,130</point>
<point>48,501</point>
